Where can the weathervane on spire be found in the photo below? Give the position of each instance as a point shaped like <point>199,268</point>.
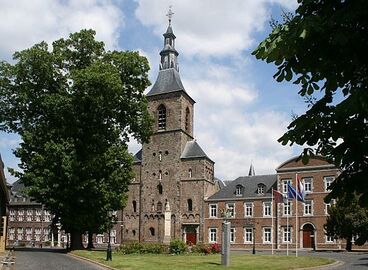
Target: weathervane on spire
<point>169,14</point>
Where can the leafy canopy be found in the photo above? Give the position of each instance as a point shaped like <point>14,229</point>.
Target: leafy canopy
<point>75,106</point>
<point>323,48</point>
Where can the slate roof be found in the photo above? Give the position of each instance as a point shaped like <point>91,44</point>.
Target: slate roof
<point>138,156</point>
<point>168,81</point>
<point>250,185</point>
<point>18,196</point>
<point>220,182</point>
<point>193,150</point>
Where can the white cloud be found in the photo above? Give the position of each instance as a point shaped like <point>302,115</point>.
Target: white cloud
<point>210,27</point>
<point>25,23</point>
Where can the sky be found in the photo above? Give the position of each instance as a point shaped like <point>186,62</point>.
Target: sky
<point>240,110</point>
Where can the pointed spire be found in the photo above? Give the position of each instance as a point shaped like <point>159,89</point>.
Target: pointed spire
<point>251,170</point>
<point>169,54</point>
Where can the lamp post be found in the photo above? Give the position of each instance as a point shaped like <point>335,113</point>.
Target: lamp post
<point>254,240</point>
<point>111,217</point>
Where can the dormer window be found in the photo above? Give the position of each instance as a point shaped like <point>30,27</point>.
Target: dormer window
<point>161,117</point>
<point>238,190</point>
<point>261,189</point>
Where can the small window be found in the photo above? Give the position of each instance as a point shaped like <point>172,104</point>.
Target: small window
<point>160,156</point>
<point>286,234</point>
<point>308,208</point>
<point>159,188</point>
<point>161,117</point>
<point>190,173</point>
<point>328,181</point>
<point>212,235</point>
<point>190,205</point>
<point>261,189</point>
<point>152,231</point>
<point>159,175</point>
<point>133,232</point>
<point>239,190</point>
<point>267,209</point>
<point>213,210</point>
<point>232,235</point>
<point>287,209</point>
<point>134,206</point>
<point>230,207</point>
<point>248,235</point>
<point>187,119</point>
<point>308,184</point>
<point>285,185</point>
<point>267,235</point>
<point>248,209</point>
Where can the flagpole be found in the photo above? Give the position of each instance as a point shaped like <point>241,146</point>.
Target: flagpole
<point>287,226</point>
<point>272,227</point>
<point>296,215</point>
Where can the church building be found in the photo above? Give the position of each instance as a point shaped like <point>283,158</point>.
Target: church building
<point>173,175</point>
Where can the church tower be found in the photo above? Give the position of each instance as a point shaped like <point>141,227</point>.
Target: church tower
<point>173,173</point>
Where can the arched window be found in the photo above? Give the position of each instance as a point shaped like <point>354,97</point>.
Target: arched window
<point>187,119</point>
<point>159,175</point>
<point>190,173</point>
<point>159,188</point>
<point>160,156</point>
<point>152,231</point>
<point>190,205</point>
<point>161,117</point>
<point>134,206</point>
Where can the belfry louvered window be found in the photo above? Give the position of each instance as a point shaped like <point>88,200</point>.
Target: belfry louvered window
<point>187,119</point>
<point>161,115</point>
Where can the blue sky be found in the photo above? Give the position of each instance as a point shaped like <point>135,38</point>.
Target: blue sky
<point>241,110</point>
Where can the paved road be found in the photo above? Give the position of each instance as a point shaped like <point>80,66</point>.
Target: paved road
<point>49,259</point>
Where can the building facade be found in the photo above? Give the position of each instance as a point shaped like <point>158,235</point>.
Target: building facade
<point>258,222</point>
<point>29,223</point>
<point>4,201</point>
<point>173,175</point>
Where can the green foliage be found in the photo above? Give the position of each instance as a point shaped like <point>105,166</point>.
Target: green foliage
<point>143,248</point>
<point>75,106</point>
<point>320,48</point>
<point>348,219</point>
<point>206,249</point>
<point>178,246</point>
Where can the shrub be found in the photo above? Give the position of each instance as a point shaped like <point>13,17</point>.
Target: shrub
<point>141,248</point>
<point>131,248</point>
<point>206,249</point>
<point>215,248</point>
<point>177,246</point>
<point>154,248</point>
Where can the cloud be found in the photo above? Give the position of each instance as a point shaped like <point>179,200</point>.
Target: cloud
<point>210,27</point>
<point>25,23</point>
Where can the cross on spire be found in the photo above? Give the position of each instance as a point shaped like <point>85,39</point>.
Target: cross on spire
<point>169,14</point>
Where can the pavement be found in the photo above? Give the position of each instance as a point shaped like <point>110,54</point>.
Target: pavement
<point>50,259</point>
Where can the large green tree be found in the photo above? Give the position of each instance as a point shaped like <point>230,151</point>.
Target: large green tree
<point>347,219</point>
<point>322,48</point>
<point>75,107</point>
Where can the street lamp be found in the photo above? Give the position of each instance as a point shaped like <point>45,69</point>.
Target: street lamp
<point>111,217</point>
<point>254,240</point>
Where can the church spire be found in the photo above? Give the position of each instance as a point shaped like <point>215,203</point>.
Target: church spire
<point>251,170</point>
<point>168,54</point>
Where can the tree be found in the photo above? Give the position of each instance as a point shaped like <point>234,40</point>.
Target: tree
<point>75,107</point>
<point>347,220</point>
<point>323,49</point>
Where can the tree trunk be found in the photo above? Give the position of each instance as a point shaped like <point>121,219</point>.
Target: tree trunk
<point>76,240</point>
<point>348,244</point>
<point>90,241</point>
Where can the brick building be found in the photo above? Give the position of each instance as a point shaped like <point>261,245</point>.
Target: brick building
<point>257,220</point>
<point>4,201</point>
<point>29,222</point>
<point>173,175</point>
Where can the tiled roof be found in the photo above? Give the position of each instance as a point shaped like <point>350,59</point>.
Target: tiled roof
<point>138,156</point>
<point>193,150</point>
<point>250,186</point>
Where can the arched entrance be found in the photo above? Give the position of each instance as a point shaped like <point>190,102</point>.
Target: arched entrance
<point>308,236</point>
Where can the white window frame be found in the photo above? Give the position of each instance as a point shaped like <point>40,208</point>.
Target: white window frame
<point>232,235</point>
<point>212,208</point>
<point>287,231</point>
<point>248,205</point>
<point>285,186</point>
<point>267,207</point>
<point>233,209</point>
<point>289,205</point>
<point>212,235</point>
<point>267,235</point>
<point>248,231</point>
<point>308,205</point>
<point>327,180</point>
<point>261,189</point>
<point>327,206</point>
<point>328,239</point>
<point>238,190</point>
<point>308,182</point>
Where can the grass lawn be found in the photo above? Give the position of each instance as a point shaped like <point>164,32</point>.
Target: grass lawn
<point>199,262</point>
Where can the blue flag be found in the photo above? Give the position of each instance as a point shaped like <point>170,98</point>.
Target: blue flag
<point>292,194</point>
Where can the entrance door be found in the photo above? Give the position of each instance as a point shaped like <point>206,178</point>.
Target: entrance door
<point>191,238</point>
<point>308,236</point>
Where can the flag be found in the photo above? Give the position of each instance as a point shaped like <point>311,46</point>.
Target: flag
<point>278,196</point>
<point>300,189</point>
<point>293,194</point>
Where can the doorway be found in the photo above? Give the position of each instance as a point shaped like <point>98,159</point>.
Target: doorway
<point>308,236</point>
